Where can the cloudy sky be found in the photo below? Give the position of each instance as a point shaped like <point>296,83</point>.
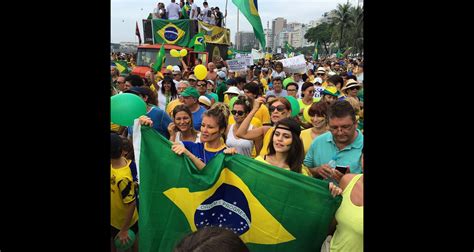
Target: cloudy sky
<point>125,13</point>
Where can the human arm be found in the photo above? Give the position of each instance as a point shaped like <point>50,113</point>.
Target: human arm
<point>172,131</point>
<point>185,66</point>
<point>181,149</point>
<point>123,233</point>
<point>323,171</point>
<point>252,134</point>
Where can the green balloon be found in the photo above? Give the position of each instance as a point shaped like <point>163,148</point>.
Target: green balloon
<point>125,108</point>
<point>295,106</point>
<point>127,245</point>
<point>286,81</point>
<point>231,102</point>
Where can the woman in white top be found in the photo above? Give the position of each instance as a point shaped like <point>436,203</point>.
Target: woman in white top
<point>240,109</point>
<point>181,129</point>
<point>167,92</point>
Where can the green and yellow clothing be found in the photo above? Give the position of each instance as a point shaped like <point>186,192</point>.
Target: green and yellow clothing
<point>122,192</point>
<point>266,141</point>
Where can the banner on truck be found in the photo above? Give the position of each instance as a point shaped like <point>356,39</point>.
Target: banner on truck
<point>214,34</point>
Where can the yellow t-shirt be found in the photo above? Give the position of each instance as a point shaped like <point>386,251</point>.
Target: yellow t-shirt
<point>303,106</point>
<point>171,106</point>
<point>121,183</point>
<point>304,170</point>
<point>306,139</point>
<point>264,83</point>
<point>266,141</point>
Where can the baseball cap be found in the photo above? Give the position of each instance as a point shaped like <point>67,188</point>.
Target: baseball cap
<point>190,91</point>
<point>233,90</point>
<point>192,77</point>
<point>221,74</point>
<point>204,100</point>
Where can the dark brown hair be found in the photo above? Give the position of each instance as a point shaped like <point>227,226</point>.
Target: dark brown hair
<point>211,239</point>
<point>319,109</point>
<point>296,153</point>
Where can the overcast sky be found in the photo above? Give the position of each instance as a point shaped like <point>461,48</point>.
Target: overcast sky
<point>125,13</point>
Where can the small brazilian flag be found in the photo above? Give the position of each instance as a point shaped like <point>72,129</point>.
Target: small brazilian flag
<point>160,58</point>
<point>122,66</point>
<point>271,209</point>
<point>185,11</point>
<point>198,42</point>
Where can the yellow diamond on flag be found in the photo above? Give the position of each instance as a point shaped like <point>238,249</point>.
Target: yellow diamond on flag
<point>171,33</point>
<point>229,203</point>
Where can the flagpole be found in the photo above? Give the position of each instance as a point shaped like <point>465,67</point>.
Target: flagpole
<point>225,18</point>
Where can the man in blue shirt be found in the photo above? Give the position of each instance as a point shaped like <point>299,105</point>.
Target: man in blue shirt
<point>341,145</point>
<point>191,100</point>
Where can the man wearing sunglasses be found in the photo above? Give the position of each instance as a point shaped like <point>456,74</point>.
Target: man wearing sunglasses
<point>343,144</point>
<point>321,76</point>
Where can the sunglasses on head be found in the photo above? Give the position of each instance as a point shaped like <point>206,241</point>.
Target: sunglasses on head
<point>240,113</point>
<point>279,108</point>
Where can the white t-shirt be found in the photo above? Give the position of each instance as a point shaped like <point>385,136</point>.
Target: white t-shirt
<point>205,17</point>
<point>193,7</point>
<point>282,74</point>
<point>178,137</point>
<point>243,146</point>
<point>173,11</point>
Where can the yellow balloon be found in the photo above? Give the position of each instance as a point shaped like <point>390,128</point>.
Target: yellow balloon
<point>169,67</point>
<point>174,53</point>
<point>200,71</point>
<point>306,114</point>
<point>183,52</point>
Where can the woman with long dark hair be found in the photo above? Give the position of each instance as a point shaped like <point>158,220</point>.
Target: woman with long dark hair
<point>167,92</point>
<point>286,149</point>
<point>181,129</point>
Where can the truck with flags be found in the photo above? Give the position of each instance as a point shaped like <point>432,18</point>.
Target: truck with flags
<point>201,40</point>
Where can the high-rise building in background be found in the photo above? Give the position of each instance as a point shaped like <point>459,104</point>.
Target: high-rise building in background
<point>278,24</point>
<point>246,41</point>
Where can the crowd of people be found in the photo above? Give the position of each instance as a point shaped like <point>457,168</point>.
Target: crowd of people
<point>189,10</point>
<point>202,119</point>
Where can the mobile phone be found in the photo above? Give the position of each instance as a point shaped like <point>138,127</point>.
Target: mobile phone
<point>342,169</point>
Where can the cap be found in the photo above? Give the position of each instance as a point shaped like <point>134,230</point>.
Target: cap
<point>137,91</point>
<point>192,77</point>
<point>221,74</point>
<point>204,100</point>
<point>331,90</point>
<point>176,69</point>
<point>210,81</point>
<point>233,90</point>
<point>231,82</point>
<point>190,91</point>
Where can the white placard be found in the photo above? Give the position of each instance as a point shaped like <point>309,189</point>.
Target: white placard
<point>237,64</point>
<point>294,64</point>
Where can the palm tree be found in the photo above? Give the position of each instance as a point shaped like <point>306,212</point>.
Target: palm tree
<point>357,25</point>
<point>342,19</point>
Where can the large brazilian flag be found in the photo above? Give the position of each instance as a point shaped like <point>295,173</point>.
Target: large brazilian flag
<point>173,32</point>
<point>271,209</point>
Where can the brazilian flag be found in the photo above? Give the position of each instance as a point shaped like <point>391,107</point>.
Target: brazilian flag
<point>288,48</point>
<point>271,209</point>
<point>315,53</point>
<point>185,11</point>
<point>122,66</point>
<point>172,32</point>
<point>198,42</point>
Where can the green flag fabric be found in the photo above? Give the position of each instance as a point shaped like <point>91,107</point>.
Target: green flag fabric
<point>160,58</point>
<point>198,42</point>
<point>288,48</point>
<point>173,32</point>
<point>315,53</point>
<point>250,10</point>
<point>184,11</point>
<point>339,54</point>
<point>122,66</point>
<point>271,209</point>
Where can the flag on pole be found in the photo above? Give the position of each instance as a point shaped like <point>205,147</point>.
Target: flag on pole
<point>288,48</point>
<point>198,42</point>
<point>137,32</point>
<point>338,54</point>
<point>315,53</point>
<point>122,66</point>
<point>160,58</point>
<point>249,9</point>
<point>271,209</point>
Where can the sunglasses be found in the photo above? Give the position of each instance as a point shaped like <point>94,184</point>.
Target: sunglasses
<point>279,108</point>
<point>240,113</point>
<point>320,74</point>
<point>201,85</point>
<point>352,88</point>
